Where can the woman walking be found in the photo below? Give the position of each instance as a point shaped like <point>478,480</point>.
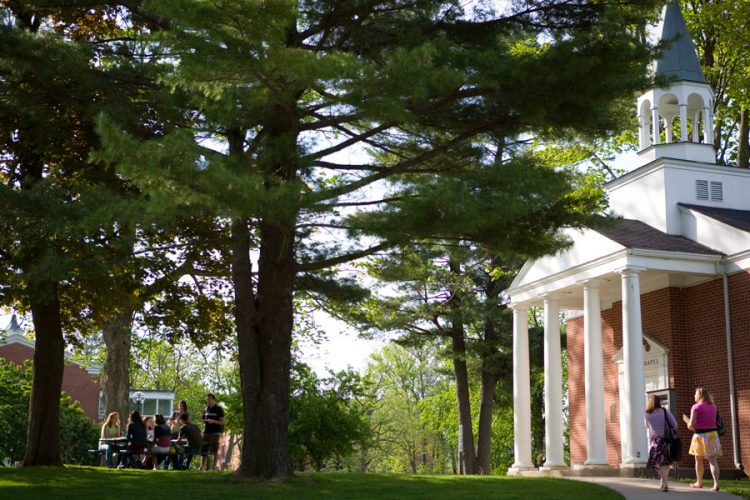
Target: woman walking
<point>705,442</point>
<point>658,420</point>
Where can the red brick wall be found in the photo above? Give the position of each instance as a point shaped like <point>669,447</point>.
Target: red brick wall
<point>689,323</point>
<point>77,383</point>
<point>739,301</point>
<point>576,390</point>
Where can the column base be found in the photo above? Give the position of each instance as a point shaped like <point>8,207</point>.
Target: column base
<point>554,467</point>
<point>633,465</point>
<point>518,469</point>
<point>593,466</point>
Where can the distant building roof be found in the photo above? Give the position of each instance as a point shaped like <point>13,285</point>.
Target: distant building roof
<point>739,219</point>
<point>636,234</point>
<point>679,59</point>
<point>14,334</point>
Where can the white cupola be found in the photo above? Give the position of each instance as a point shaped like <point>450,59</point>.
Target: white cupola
<point>676,121</point>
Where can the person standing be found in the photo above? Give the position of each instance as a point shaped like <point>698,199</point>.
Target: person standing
<point>705,442</point>
<point>657,418</point>
<point>213,418</point>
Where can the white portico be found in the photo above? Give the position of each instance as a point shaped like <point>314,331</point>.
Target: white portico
<point>668,234</point>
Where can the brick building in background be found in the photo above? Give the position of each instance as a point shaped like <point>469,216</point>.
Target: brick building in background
<point>656,303</point>
<point>80,383</point>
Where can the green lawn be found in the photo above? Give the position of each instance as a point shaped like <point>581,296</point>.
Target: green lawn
<point>741,488</point>
<point>88,482</point>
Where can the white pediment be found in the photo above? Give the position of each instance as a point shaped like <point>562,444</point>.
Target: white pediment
<point>588,246</point>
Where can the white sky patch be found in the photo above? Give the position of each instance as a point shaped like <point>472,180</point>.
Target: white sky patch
<point>343,347</point>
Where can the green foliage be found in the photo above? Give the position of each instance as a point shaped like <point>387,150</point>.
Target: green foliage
<point>412,394</point>
<point>719,29</point>
<point>78,433</point>
<point>327,421</point>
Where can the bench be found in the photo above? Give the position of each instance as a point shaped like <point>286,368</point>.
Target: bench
<point>98,456</point>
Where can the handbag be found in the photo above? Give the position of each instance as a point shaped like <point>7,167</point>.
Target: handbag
<point>720,425</point>
<point>672,440</point>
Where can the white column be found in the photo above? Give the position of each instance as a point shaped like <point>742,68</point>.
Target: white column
<point>594,375</point>
<point>655,128</point>
<point>668,121</point>
<point>696,127</point>
<point>553,415</point>
<point>708,127</point>
<point>643,132</point>
<point>634,406</point>
<point>683,123</point>
<point>521,392</point>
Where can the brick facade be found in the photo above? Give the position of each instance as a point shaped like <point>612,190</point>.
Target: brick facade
<point>689,323</point>
<point>77,382</point>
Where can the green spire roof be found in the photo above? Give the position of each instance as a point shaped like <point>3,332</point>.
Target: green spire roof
<point>679,60</point>
<point>13,326</point>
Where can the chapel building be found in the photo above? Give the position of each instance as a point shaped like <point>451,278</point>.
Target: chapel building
<point>658,302</point>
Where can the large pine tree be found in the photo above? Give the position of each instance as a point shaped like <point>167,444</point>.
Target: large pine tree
<point>65,236</point>
<point>304,111</point>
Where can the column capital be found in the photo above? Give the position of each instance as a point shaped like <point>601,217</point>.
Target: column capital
<point>631,270</point>
<point>590,282</point>
<point>551,297</point>
<point>518,307</point>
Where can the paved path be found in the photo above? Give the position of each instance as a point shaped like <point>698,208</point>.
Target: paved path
<point>648,489</point>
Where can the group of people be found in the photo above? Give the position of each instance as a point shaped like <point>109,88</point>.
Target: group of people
<point>173,441</point>
<point>704,445</point>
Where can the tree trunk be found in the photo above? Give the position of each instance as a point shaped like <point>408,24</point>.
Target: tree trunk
<point>43,435</point>
<point>743,148</point>
<point>116,379</point>
<point>489,382</point>
<point>265,350</point>
<point>464,403</point>
<point>458,344</point>
<point>244,312</point>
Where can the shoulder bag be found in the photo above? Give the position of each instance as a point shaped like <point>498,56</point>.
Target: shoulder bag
<point>671,439</point>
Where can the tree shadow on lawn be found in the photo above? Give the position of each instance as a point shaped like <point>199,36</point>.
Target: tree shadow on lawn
<point>89,482</point>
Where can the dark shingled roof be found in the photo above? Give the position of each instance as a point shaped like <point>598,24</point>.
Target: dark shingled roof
<point>679,60</point>
<point>636,234</point>
<point>735,218</point>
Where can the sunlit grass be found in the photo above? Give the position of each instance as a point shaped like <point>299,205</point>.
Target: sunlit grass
<point>89,482</point>
<point>741,488</point>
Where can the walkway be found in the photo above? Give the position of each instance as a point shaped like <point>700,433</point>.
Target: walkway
<point>648,489</point>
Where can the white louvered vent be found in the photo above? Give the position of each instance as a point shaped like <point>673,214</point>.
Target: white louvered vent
<point>701,190</point>
<point>717,192</point>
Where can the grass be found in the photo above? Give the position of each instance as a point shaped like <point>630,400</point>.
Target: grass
<point>90,482</point>
<point>741,488</point>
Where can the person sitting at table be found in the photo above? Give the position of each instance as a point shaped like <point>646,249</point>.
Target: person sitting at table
<point>162,440</point>
<point>110,430</point>
<point>174,425</point>
<point>192,433</point>
<point>148,422</point>
<point>136,434</point>
<point>182,408</point>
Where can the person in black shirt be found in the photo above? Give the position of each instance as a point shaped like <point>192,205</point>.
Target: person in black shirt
<point>190,432</point>
<point>213,417</point>
<point>136,434</point>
